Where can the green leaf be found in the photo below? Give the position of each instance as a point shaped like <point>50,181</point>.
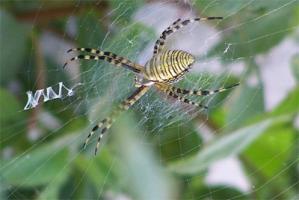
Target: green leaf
<point>13,122</point>
<point>228,145</point>
<point>293,171</point>
<point>222,9</point>
<point>139,168</point>
<point>40,166</point>
<point>248,104</point>
<point>270,158</point>
<point>258,34</point>
<point>51,191</point>
<point>238,10</point>
<point>13,46</point>
<point>289,105</point>
<point>79,186</point>
<point>125,9</point>
<point>98,169</point>
<point>216,192</point>
<point>178,140</point>
<point>90,34</point>
<point>295,66</point>
<point>275,144</point>
<point>131,40</point>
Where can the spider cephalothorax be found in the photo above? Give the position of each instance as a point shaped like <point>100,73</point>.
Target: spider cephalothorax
<point>161,71</point>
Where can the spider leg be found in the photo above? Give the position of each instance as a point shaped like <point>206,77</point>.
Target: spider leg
<point>102,53</point>
<point>88,50</point>
<point>175,27</point>
<point>202,92</point>
<point>106,123</point>
<point>168,90</point>
<point>107,56</point>
<point>99,125</point>
<point>185,100</point>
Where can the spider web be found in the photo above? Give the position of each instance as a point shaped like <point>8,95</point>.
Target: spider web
<point>166,124</point>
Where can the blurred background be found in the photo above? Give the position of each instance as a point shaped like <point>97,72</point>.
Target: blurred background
<point>246,146</point>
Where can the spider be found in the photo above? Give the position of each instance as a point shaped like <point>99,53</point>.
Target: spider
<point>161,71</point>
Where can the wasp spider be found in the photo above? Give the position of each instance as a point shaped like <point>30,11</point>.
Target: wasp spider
<point>161,71</point>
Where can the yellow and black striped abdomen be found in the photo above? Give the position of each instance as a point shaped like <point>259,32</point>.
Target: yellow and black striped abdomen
<point>168,66</point>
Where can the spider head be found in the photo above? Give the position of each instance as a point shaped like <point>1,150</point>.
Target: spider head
<point>139,81</point>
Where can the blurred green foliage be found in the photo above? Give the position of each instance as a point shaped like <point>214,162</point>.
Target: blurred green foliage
<point>12,32</point>
<point>152,151</point>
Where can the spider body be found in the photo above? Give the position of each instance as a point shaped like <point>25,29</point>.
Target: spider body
<point>161,71</point>
<point>168,66</point>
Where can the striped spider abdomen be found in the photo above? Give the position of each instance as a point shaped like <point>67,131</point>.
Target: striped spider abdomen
<point>168,66</point>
